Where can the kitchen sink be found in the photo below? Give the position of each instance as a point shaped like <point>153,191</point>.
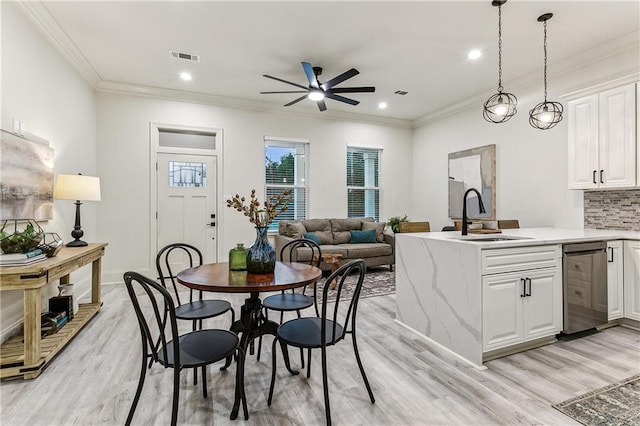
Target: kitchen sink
<point>488,239</point>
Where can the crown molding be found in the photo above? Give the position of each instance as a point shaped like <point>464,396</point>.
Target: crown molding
<point>603,52</point>
<point>246,104</point>
<point>38,14</point>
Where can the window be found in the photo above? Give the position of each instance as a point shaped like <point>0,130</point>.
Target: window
<point>286,168</point>
<point>187,174</point>
<point>363,191</point>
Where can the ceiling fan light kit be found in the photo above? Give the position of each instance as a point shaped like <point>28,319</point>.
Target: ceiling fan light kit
<point>501,106</point>
<point>317,91</point>
<point>546,114</point>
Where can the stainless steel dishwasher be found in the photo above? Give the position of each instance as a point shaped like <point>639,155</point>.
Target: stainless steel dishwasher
<point>584,273</point>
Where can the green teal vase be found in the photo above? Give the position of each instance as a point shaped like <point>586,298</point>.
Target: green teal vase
<point>261,256</point>
<point>238,258</point>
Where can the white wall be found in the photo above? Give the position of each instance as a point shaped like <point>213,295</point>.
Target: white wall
<point>42,90</point>
<point>531,164</point>
<point>123,161</point>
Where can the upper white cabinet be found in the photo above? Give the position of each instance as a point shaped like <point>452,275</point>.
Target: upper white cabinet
<point>632,280</point>
<point>602,139</point>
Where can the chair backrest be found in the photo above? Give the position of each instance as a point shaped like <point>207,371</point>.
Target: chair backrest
<point>303,251</point>
<point>174,258</point>
<point>350,277</point>
<point>152,303</point>
<point>508,224</point>
<point>415,227</point>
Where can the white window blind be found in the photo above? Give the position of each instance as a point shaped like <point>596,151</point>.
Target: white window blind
<point>286,168</point>
<point>363,191</point>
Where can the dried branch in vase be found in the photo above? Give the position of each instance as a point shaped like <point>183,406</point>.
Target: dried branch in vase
<point>261,214</point>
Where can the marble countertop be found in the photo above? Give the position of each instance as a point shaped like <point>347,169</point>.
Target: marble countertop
<point>527,237</point>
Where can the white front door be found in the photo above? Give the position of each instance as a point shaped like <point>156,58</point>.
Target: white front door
<point>186,202</point>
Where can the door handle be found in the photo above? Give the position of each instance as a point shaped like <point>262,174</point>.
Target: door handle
<point>610,260</point>
<point>594,176</point>
<point>524,287</point>
<point>525,281</point>
<point>601,176</point>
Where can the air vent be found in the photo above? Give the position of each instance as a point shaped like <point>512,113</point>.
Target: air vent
<point>400,92</point>
<point>185,56</point>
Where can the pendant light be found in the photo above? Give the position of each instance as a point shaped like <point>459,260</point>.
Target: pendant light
<point>546,114</point>
<point>501,106</point>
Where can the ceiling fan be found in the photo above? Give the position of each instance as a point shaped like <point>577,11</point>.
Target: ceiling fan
<point>319,91</point>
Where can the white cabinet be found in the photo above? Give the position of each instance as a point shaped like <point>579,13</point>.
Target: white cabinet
<point>602,139</point>
<point>520,305</point>
<point>615,280</point>
<point>632,280</point>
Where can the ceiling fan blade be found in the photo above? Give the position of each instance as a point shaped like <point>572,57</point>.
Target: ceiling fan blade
<point>321,105</point>
<point>341,98</point>
<point>296,100</point>
<point>352,89</point>
<point>311,76</point>
<point>339,79</point>
<point>285,81</point>
<point>286,91</point>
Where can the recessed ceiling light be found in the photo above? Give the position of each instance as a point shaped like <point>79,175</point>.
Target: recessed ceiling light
<point>474,54</point>
<point>382,105</point>
<point>185,76</point>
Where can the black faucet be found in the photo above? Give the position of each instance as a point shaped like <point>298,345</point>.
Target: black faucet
<point>465,221</point>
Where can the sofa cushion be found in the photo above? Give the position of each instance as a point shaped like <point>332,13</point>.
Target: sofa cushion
<point>379,227</point>
<point>361,251</point>
<point>291,228</point>
<point>360,237</point>
<point>312,236</point>
<point>321,227</point>
<point>341,228</point>
<point>303,254</point>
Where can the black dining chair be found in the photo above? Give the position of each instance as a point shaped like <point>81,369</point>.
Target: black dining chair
<point>332,326</point>
<point>156,314</point>
<point>193,310</point>
<point>299,250</point>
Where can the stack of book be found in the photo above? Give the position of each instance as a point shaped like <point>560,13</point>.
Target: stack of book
<point>19,259</point>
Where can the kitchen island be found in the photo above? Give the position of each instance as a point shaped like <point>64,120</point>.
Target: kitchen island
<point>458,291</point>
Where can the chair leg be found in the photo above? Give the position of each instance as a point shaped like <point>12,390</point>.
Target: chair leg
<point>204,380</point>
<point>195,370</point>
<point>273,369</point>
<point>143,373</point>
<point>301,350</point>
<point>176,395</point>
<point>325,386</point>
<point>309,363</point>
<point>364,376</point>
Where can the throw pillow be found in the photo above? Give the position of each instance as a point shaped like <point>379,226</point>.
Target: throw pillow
<point>313,237</point>
<point>360,237</point>
<point>295,230</point>
<point>378,227</point>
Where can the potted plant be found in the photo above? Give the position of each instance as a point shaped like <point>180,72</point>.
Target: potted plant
<point>394,222</point>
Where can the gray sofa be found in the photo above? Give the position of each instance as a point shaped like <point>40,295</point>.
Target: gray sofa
<point>335,237</point>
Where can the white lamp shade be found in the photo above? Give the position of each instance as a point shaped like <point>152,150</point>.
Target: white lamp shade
<point>77,187</point>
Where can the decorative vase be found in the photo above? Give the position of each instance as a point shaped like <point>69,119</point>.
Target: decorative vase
<point>238,258</point>
<point>261,256</point>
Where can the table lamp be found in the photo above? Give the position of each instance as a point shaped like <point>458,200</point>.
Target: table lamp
<point>79,188</point>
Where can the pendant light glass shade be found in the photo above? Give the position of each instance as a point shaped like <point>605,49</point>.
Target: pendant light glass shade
<point>546,114</point>
<point>501,106</point>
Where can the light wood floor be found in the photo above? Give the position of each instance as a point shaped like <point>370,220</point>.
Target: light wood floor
<point>93,380</point>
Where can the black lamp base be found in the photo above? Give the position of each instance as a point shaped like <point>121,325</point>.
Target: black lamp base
<point>77,243</point>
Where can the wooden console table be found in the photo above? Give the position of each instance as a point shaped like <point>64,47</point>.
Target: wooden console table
<point>26,356</point>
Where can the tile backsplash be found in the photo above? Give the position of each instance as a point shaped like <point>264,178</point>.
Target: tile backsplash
<point>619,209</point>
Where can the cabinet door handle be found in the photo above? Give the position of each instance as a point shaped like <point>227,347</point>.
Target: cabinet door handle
<point>524,287</point>
<point>594,176</point>
<point>525,281</point>
<point>601,176</point>
<point>610,260</point>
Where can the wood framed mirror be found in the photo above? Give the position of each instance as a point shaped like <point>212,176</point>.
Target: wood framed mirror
<point>473,168</point>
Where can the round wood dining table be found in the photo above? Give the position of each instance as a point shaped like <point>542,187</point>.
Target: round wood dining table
<point>216,277</point>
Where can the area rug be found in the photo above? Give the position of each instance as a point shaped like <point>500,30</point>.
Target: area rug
<point>377,282</point>
<point>616,404</point>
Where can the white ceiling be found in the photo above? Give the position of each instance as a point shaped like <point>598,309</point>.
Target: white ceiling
<point>417,46</point>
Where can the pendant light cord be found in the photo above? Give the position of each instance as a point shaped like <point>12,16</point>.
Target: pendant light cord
<point>500,49</point>
<point>545,61</point>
